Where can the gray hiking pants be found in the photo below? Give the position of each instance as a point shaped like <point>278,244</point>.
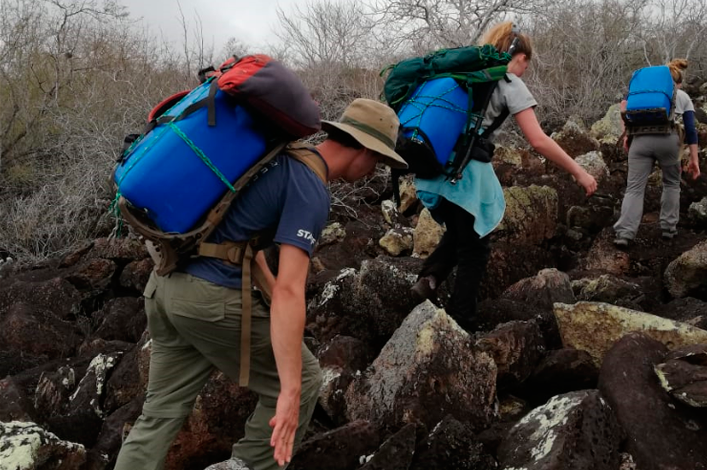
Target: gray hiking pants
<point>645,150</point>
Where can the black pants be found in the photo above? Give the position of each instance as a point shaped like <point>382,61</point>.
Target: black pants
<point>460,246</point>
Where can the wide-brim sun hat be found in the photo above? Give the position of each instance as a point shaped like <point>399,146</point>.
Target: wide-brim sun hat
<point>374,125</point>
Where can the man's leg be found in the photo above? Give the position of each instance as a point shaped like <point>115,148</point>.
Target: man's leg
<point>255,447</point>
<point>177,374</point>
<point>219,342</point>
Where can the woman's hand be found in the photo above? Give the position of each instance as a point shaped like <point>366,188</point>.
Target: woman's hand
<point>588,182</point>
<point>694,168</point>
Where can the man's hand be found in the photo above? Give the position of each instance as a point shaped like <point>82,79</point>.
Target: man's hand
<point>284,425</point>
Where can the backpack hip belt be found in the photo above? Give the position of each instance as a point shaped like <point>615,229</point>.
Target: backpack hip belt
<point>242,254</point>
<point>667,128</point>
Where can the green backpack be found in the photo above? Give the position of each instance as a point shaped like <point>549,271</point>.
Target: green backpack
<point>441,100</point>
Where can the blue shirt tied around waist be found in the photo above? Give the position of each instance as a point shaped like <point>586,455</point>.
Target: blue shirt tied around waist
<point>478,192</point>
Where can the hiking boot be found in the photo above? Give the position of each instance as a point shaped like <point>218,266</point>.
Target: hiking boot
<point>231,464</point>
<point>621,242</point>
<point>425,288</point>
<point>668,234</point>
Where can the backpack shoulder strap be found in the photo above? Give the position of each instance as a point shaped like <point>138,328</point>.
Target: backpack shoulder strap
<point>306,154</point>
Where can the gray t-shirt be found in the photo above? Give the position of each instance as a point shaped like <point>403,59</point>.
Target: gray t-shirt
<point>683,103</point>
<point>512,95</point>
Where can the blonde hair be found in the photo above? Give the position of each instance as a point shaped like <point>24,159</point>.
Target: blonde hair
<point>501,37</point>
<point>677,67</point>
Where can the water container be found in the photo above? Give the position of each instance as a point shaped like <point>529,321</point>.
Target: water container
<point>165,177</point>
<point>439,109</point>
<point>650,95</point>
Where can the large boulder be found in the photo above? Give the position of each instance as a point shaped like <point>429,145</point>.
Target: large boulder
<point>603,256</point>
<point>452,445</point>
<point>687,275</point>
<point>26,446</point>
<point>593,163</point>
<point>120,250</point>
<point>608,129</point>
<point>341,359</point>
<point>509,263</point>
<point>661,434</point>
<point>543,290</point>
<point>343,448</point>
<point>80,418</point>
<point>360,240</point>
<point>426,235</point>
<point>215,423</point>
<point>136,273</point>
<point>595,327</point>
<point>516,348</point>
<point>575,140</point>
<point>531,215</point>
<point>121,319</point>
<point>608,288</point>
<point>35,321</point>
<point>395,453</point>
<point>110,439</point>
<point>129,379</point>
<point>368,304</point>
<point>493,312</point>
<point>33,335</point>
<point>575,431</point>
<point>427,370</point>
<point>560,371</point>
<point>397,241</point>
<point>684,375</point>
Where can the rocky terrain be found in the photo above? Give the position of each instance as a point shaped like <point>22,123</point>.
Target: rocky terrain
<point>584,356</point>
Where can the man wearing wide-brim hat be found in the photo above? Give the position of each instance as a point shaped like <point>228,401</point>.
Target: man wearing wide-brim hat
<point>371,124</point>
<point>204,316</point>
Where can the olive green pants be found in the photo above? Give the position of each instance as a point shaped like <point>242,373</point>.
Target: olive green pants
<point>195,327</point>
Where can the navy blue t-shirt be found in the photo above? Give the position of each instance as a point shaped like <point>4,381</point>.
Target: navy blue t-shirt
<point>286,198</point>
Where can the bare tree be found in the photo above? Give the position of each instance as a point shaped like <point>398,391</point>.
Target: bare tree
<point>673,28</point>
<point>326,32</point>
<point>430,24</point>
<point>584,53</point>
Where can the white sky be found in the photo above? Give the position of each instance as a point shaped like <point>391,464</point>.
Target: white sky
<point>251,21</point>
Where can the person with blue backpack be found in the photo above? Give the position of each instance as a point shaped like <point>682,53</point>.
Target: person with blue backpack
<point>196,312</point>
<point>655,101</point>
<point>472,204</point>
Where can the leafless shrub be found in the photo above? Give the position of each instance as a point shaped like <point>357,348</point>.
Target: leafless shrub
<point>78,75</point>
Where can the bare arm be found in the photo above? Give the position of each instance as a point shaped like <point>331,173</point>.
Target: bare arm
<point>693,167</point>
<point>548,148</point>
<point>287,319</point>
<point>622,108</point>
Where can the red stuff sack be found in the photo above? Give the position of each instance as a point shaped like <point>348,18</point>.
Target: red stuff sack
<point>272,90</point>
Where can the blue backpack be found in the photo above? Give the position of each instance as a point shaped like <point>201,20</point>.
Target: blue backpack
<point>650,106</point>
<point>175,181</point>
